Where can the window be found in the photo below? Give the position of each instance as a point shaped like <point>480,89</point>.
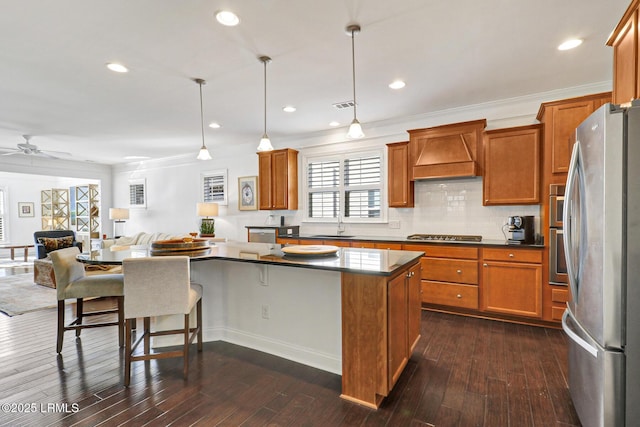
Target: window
<point>137,193</point>
<point>347,186</point>
<point>2,215</point>
<point>214,187</point>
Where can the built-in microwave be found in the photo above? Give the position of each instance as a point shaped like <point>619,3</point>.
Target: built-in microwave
<point>557,261</point>
<point>556,202</point>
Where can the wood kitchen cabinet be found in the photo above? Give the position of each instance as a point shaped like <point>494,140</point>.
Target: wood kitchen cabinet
<point>626,62</point>
<point>512,166</point>
<point>400,186</point>
<point>560,119</point>
<point>278,179</point>
<point>449,275</point>
<point>512,281</point>
<point>381,324</point>
<point>452,150</point>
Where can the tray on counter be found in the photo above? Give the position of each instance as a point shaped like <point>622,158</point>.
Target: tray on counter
<point>310,250</point>
<point>184,246</point>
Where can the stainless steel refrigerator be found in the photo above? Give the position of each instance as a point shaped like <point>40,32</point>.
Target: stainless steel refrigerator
<point>602,248</point>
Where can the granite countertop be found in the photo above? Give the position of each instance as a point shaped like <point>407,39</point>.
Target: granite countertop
<point>377,262</point>
<point>399,239</point>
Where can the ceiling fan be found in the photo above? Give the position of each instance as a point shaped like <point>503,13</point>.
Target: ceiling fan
<point>29,149</point>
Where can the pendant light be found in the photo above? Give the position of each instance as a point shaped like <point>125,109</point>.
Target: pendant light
<point>265,143</point>
<point>204,153</point>
<point>355,130</point>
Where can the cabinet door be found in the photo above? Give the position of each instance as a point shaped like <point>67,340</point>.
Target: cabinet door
<point>564,120</point>
<point>414,290</point>
<point>625,62</point>
<point>400,187</point>
<point>279,180</point>
<point>397,327</point>
<point>264,181</point>
<point>512,166</point>
<point>512,288</point>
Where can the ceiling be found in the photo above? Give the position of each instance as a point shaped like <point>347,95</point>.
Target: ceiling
<point>54,84</point>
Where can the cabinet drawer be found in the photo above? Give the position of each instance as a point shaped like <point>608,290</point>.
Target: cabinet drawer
<point>450,270</point>
<point>560,295</point>
<point>557,312</point>
<point>390,246</point>
<point>516,255</point>
<point>465,296</point>
<point>438,251</point>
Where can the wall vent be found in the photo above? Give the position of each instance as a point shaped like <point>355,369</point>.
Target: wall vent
<point>343,104</point>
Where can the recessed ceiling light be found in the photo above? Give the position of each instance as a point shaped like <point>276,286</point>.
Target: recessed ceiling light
<point>118,68</point>
<point>570,44</point>
<point>289,109</point>
<point>227,18</point>
<point>214,125</point>
<point>397,84</point>
<point>334,124</point>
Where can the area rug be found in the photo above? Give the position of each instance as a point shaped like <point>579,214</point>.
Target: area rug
<point>18,294</point>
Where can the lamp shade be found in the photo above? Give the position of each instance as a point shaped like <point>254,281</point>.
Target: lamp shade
<point>118,213</point>
<point>207,209</point>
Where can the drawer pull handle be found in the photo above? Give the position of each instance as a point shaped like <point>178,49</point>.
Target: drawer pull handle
<point>510,255</point>
<point>458,296</point>
<point>459,271</point>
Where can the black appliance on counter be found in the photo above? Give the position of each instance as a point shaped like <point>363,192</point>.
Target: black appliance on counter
<point>522,229</point>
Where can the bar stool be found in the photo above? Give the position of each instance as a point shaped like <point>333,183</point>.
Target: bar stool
<point>159,286</point>
<point>71,282</point>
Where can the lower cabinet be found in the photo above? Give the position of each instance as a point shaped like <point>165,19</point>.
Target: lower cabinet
<point>512,282</point>
<point>381,326</point>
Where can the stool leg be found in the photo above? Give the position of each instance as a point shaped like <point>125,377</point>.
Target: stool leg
<point>127,353</point>
<point>147,335</point>
<point>185,348</point>
<point>60,325</point>
<point>121,321</point>
<point>79,313</point>
<point>199,323</point>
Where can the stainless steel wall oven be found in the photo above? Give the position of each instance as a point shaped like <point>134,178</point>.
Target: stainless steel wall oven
<point>557,261</point>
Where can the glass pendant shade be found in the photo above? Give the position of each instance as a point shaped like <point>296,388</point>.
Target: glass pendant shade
<point>265,144</point>
<point>203,154</point>
<point>355,130</point>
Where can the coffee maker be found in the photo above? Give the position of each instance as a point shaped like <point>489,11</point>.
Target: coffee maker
<point>521,229</point>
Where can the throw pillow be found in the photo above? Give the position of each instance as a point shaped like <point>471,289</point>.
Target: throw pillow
<point>54,243</point>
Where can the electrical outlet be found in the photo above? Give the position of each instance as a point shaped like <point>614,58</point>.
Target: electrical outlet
<point>265,311</point>
<point>394,224</point>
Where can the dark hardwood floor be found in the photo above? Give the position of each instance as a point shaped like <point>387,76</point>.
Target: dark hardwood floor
<point>465,372</point>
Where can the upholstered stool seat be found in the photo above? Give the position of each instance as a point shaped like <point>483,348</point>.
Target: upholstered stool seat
<point>159,286</point>
<point>72,283</point>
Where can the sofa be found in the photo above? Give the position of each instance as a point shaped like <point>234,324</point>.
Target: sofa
<point>51,240</point>
<point>141,238</point>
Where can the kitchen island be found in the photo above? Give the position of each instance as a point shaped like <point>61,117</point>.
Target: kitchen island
<point>355,313</point>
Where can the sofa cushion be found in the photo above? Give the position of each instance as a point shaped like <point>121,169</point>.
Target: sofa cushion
<point>55,243</point>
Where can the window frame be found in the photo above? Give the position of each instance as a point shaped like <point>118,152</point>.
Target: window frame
<point>225,186</point>
<point>341,156</point>
<point>4,215</point>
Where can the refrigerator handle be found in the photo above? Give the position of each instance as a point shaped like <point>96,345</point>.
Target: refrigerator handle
<point>575,338</point>
<point>566,216</point>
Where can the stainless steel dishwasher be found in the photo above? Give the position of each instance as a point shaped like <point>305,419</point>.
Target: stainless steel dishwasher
<point>262,235</point>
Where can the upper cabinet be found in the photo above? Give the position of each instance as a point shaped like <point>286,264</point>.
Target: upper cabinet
<point>278,180</point>
<point>512,166</point>
<point>560,119</point>
<point>452,150</point>
<point>400,186</point>
<point>624,40</point>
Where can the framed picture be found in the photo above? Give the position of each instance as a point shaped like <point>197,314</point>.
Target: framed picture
<point>25,209</point>
<point>248,193</point>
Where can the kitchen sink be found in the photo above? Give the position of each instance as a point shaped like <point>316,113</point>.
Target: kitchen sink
<point>333,236</point>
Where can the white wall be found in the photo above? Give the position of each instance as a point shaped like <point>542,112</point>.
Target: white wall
<point>442,206</point>
<point>24,177</point>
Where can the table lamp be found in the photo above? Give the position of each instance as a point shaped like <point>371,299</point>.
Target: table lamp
<point>207,226</point>
<point>118,215</point>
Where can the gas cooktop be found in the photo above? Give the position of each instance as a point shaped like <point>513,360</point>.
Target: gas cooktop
<point>445,237</point>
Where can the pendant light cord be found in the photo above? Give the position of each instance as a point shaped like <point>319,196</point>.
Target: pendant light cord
<point>353,70</point>
<point>265,95</point>
<point>201,112</point>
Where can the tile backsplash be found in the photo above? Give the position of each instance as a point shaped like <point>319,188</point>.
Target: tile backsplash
<point>454,206</point>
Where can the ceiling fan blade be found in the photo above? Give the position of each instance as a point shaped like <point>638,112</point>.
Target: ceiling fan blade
<point>43,154</point>
<point>11,153</point>
<point>56,153</point>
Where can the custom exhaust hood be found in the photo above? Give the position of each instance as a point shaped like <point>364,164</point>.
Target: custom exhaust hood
<point>448,151</point>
